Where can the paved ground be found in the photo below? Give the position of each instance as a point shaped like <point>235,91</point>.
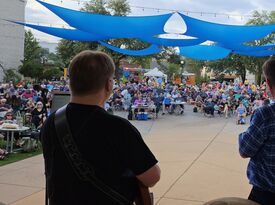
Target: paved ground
<point>198,157</point>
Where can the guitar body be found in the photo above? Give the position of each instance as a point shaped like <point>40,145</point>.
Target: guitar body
<point>145,197</point>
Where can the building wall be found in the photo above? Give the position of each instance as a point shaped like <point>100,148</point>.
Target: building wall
<point>11,35</point>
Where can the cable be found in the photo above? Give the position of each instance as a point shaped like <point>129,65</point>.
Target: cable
<point>215,14</point>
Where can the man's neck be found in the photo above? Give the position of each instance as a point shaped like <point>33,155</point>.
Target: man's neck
<point>96,99</point>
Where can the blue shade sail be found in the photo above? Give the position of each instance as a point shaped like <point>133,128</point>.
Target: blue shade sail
<point>246,48</point>
<point>68,34</point>
<point>257,53</point>
<point>171,42</point>
<point>225,33</point>
<point>153,49</point>
<point>112,26</point>
<point>204,52</point>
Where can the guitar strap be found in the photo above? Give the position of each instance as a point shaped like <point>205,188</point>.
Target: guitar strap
<point>81,167</point>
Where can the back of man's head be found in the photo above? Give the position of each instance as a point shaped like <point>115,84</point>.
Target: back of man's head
<point>269,71</point>
<point>89,72</point>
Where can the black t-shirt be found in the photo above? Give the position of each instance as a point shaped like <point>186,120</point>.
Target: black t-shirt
<point>111,144</point>
<point>37,119</point>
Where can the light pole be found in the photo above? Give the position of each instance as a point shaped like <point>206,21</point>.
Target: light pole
<point>182,62</point>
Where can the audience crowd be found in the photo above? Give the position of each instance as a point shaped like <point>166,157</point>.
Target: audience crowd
<point>33,101</point>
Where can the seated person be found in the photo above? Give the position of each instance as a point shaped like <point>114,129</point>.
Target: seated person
<point>29,106</point>
<point>241,111</point>
<point>139,101</point>
<point>9,118</point>
<point>209,107</point>
<point>224,107</point>
<point>3,154</point>
<point>199,102</point>
<point>39,115</point>
<point>158,100</point>
<point>166,105</point>
<point>178,103</point>
<point>4,107</point>
<point>151,105</point>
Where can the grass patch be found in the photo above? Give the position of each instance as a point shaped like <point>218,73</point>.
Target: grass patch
<point>15,157</point>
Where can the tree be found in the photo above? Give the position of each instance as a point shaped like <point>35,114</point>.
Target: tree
<point>260,18</point>
<point>12,75</point>
<point>68,49</point>
<point>173,69</point>
<point>52,73</point>
<point>32,70</point>
<point>32,50</point>
<point>195,66</point>
<point>237,64</point>
<point>233,64</point>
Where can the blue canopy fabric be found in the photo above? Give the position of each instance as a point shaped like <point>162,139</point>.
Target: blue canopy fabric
<point>257,53</point>
<point>68,34</point>
<point>246,48</point>
<point>172,42</point>
<point>112,26</point>
<point>225,33</point>
<point>153,49</point>
<point>204,52</point>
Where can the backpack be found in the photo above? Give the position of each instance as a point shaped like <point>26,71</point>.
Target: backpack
<point>195,109</point>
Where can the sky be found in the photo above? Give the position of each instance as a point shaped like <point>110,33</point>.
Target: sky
<point>235,12</point>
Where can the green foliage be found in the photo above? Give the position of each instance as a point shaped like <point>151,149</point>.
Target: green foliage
<point>32,70</point>
<point>195,66</point>
<point>260,18</point>
<point>96,6</point>
<point>119,7</point>
<point>52,73</point>
<point>66,50</point>
<point>15,157</point>
<point>200,80</point>
<point>173,69</point>
<point>11,75</point>
<point>238,64</point>
<point>32,50</point>
<point>37,59</point>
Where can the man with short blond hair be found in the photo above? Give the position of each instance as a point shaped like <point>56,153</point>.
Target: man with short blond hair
<point>110,144</point>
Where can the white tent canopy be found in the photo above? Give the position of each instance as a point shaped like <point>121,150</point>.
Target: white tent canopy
<point>155,73</point>
<point>185,73</point>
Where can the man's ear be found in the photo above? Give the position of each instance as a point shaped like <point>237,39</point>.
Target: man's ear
<point>109,85</point>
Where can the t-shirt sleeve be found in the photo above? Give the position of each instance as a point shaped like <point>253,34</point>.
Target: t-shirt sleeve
<point>135,153</point>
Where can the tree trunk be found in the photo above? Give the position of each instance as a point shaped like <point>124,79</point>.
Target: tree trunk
<point>117,70</point>
<point>243,74</point>
<point>258,77</point>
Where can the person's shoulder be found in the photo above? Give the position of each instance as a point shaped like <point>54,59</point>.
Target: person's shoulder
<point>121,123</point>
<point>117,119</point>
<point>265,112</point>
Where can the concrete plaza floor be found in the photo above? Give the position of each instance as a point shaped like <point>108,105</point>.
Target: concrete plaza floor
<point>198,157</point>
